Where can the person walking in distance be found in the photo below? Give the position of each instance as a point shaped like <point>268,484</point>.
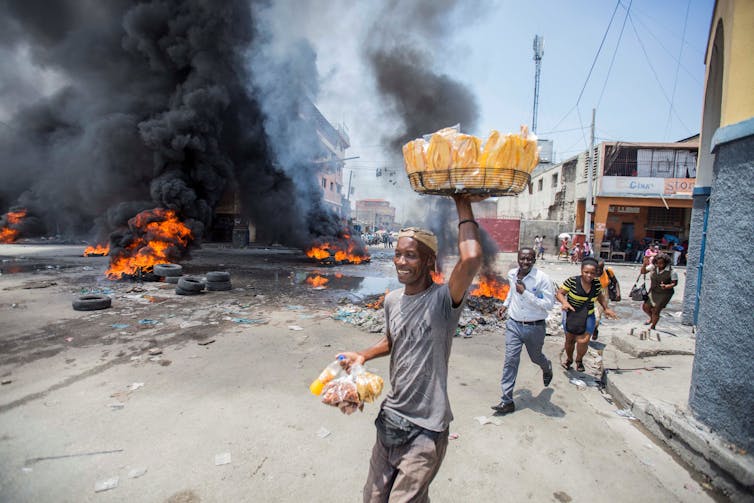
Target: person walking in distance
<point>577,296</point>
<point>663,280</point>
<point>529,300</point>
<point>541,250</point>
<point>420,321</point>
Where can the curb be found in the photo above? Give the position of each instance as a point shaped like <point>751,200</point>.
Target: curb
<point>694,443</point>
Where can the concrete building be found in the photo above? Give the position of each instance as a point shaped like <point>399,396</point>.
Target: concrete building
<point>375,214</point>
<point>720,272</point>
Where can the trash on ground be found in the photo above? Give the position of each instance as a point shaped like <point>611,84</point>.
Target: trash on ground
<point>453,436</point>
<point>6,381</point>
<point>206,342</point>
<point>294,327</point>
<point>136,473</point>
<point>249,321</point>
<point>577,382</point>
<point>155,351</point>
<point>147,321</point>
<point>106,485</point>
<point>135,386</point>
<point>489,420</point>
<point>117,406</point>
<point>626,413</point>
<point>222,459</point>
<point>119,325</point>
<point>323,432</point>
<point>69,339</point>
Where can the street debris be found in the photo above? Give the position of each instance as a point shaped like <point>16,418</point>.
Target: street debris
<point>32,461</point>
<point>5,381</point>
<point>206,342</point>
<point>117,406</point>
<point>106,485</point>
<point>581,385</point>
<point>147,321</point>
<point>323,432</point>
<point>135,386</point>
<point>155,351</point>
<point>135,473</point>
<point>488,420</point>
<point>248,321</point>
<point>453,436</point>
<point>222,459</point>
<point>92,303</point>
<point>294,327</point>
<point>626,413</point>
<point>119,326</point>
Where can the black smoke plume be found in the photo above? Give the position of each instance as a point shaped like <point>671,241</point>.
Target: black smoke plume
<point>160,105</point>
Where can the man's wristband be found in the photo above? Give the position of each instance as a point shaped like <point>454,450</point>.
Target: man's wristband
<point>471,220</point>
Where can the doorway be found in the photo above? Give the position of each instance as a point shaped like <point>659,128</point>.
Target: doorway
<point>627,232</point>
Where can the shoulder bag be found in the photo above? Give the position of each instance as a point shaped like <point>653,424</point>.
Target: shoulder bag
<point>639,293</point>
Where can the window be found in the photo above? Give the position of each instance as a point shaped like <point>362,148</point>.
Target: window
<point>555,180</point>
<point>324,183</point>
<point>539,185</point>
<point>332,186</point>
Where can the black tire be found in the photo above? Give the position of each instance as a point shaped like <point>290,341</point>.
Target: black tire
<point>92,303</point>
<point>191,284</point>
<point>167,270</point>
<point>172,279</point>
<point>181,291</point>
<point>219,286</point>
<point>218,276</point>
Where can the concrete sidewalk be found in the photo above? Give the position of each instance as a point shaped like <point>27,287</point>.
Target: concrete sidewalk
<point>652,378</point>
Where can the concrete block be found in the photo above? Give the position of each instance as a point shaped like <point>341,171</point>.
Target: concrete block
<point>668,345</point>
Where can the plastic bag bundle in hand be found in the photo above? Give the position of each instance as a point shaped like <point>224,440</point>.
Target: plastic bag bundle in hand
<point>342,393</point>
<point>368,385</point>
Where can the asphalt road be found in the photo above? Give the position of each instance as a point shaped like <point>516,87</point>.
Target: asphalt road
<point>75,412</point>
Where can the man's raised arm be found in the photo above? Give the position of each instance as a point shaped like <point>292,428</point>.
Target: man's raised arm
<point>469,248</point>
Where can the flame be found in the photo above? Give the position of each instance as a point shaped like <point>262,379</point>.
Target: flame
<point>8,234</point>
<point>97,250</point>
<point>437,277</point>
<point>316,280</point>
<point>342,249</point>
<point>491,286</point>
<point>377,304</point>
<point>159,235</point>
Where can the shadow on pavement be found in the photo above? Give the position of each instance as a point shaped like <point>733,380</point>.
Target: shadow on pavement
<point>540,404</point>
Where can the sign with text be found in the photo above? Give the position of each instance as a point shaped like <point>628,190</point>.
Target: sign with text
<point>625,209</point>
<point>679,185</point>
<point>645,186</point>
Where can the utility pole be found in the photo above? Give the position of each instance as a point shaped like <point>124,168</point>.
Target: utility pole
<point>589,207</point>
<point>539,51</point>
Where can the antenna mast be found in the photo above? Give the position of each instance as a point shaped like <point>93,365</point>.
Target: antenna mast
<point>539,51</point>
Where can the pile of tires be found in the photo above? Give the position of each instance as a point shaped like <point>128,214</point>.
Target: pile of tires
<point>189,285</point>
<point>218,281</point>
<point>170,272</point>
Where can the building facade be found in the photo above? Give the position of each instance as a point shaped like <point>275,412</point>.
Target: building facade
<point>720,272</point>
<point>375,214</point>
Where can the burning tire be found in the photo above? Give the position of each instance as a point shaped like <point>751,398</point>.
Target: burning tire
<point>190,284</point>
<point>92,303</point>
<point>168,270</point>
<point>172,279</point>
<point>219,286</point>
<point>218,277</point>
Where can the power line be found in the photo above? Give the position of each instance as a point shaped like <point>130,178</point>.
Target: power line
<point>657,78</point>
<point>677,67</point>
<point>614,53</point>
<point>594,62</point>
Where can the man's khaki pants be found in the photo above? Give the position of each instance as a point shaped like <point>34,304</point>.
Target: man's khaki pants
<point>404,473</point>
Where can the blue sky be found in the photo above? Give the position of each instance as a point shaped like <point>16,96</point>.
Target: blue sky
<point>660,59</point>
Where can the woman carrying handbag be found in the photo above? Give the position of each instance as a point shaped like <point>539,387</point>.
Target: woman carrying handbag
<point>663,280</point>
<point>577,296</point>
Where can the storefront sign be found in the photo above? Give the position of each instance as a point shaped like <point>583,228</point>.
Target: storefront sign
<point>632,185</point>
<point>599,226</point>
<point>679,185</point>
<point>624,209</point>
<point>645,186</point>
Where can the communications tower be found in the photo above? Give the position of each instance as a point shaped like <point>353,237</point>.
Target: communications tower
<point>539,51</point>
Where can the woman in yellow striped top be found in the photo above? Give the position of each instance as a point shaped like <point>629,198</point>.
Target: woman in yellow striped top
<point>577,296</point>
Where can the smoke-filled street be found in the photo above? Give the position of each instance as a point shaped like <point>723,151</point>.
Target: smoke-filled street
<point>87,398</point>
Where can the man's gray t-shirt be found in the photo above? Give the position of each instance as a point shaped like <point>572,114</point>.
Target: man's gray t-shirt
<point>420,329</point>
